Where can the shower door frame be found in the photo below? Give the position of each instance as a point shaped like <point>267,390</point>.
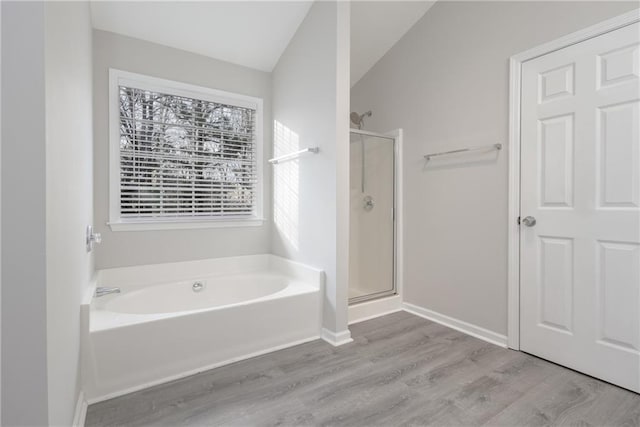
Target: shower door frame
<point>396,138</point>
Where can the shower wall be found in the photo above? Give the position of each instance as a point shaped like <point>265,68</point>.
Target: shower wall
<point>371,270</point>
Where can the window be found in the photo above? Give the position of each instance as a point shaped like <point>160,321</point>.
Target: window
<point>182,155</point>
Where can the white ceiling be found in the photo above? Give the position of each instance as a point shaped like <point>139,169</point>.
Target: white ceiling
<point>249,33</point>
<point>376,26</point>
<point>254,33</point>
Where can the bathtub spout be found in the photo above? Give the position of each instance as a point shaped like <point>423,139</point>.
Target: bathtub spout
<point>102,291</point>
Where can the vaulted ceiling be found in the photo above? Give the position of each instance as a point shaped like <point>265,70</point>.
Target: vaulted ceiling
<point>254,33</point>
<point>378,25</point>
<point>249,33</point>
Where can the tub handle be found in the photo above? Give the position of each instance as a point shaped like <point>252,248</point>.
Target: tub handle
<point>197,286</point>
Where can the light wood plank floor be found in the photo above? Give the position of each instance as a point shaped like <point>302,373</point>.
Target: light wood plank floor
<point>400,370</point>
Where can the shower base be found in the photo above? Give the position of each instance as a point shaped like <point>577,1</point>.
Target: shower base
<point>359,312</point>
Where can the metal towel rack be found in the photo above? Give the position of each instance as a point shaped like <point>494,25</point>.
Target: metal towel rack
<point>293,155</point>
<point>428,157</point>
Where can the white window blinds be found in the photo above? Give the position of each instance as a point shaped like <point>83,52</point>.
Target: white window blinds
<point>185,158</point>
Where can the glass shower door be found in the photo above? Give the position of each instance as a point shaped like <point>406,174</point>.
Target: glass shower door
<point>372,224</point>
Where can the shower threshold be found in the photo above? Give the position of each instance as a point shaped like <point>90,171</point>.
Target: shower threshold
<point>370,296</point>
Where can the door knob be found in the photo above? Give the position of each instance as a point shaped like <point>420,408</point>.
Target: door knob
<point>529,221</point>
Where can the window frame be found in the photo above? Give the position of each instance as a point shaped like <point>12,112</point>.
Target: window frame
<point>170,87</point>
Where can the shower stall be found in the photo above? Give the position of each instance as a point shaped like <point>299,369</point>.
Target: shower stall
<point>372,266</point>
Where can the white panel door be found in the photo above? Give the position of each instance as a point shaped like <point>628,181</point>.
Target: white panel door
<point>580,180</point>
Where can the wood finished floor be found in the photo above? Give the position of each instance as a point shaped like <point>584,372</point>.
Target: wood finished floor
<point>400,370</point>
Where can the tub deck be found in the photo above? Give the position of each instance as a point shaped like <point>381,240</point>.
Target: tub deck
<point>158,329</point>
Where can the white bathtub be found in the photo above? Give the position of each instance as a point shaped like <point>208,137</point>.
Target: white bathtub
<point>159,328</point>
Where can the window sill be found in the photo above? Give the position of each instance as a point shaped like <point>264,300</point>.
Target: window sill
<point>183,225</point>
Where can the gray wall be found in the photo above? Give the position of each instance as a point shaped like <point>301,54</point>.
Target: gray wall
<point>123,248</point>
<point>446,84</point>
<point>46,205</point>
<point>69,186</point>
<point>305,106</point>
<point>24,315</point>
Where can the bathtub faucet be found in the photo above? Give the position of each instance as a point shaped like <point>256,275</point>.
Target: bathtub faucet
<point>102,291</point>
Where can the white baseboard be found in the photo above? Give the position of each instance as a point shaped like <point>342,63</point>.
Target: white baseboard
<point>372,309</point>
<point>95,399</point>
<point>458,325</point>
<point>80,413</point>
<point>336,338</point>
